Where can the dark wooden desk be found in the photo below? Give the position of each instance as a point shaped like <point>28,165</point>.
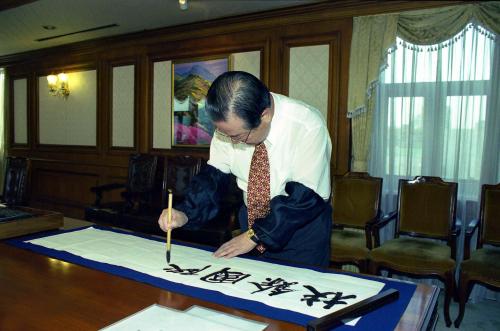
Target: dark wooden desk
<point>42,220</point>
<point>41,293</point>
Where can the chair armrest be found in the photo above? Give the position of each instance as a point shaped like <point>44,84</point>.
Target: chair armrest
<point>380,224</point>
<point>102,188</point>
<point>369,231</point>
<point>454,235</point>
<point>471,228</point>
<point>338,226</point>
<point>107,187</point>
<point>385,220</point>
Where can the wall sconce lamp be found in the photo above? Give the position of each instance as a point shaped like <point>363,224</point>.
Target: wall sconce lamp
<point>58,85</point>
<point>183,4</point>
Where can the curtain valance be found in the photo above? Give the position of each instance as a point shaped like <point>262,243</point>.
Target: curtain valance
<point>375,36</point>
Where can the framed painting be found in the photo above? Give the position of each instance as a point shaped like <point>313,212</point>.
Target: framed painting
<point>191,79</point>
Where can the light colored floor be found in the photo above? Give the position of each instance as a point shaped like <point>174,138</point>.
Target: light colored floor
<point>480,316</point>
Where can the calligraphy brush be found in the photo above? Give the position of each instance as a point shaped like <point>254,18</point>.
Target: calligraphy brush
<point>169,220</point>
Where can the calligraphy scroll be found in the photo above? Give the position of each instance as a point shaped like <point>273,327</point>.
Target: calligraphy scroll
<point>304,291</point>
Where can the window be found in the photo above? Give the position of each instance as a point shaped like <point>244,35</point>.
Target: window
<point>432,110</point>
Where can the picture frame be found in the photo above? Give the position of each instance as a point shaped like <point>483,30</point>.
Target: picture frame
<point>191,79</point>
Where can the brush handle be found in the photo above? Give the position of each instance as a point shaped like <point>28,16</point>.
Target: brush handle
<point>168,240</point>
<point>169,220</point>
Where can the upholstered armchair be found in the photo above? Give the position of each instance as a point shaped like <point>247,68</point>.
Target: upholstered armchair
<point>356,208</point>
<point>425,235</point>
<point>137,195</point>
<point>483,264</point>
<point>15,190</point>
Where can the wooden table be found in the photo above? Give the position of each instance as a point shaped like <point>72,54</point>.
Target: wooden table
<point>42,220</point>
<point>41,293</point>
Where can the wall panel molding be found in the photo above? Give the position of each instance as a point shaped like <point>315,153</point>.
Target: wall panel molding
<point>19,112</point>
<point>71,121</point>
<point>123,106</point>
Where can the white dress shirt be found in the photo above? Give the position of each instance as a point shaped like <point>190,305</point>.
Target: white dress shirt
<point>298,146</point>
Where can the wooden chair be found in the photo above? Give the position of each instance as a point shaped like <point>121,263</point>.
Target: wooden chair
<point>15,190</point>
<point>426,210</point>
<point>483,264</point>
<point>178,174</point>
<point>137,196</point>
<point>356,207</point>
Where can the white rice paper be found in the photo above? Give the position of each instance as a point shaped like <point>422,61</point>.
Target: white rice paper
<point>148,256</point>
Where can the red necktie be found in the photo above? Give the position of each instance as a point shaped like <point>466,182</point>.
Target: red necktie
<point>258,191</point>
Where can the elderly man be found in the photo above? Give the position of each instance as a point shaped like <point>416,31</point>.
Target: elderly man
<point>279,150</point>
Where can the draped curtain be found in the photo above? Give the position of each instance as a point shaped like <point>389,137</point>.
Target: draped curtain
<point>372,36</point>
<point>375,36</point>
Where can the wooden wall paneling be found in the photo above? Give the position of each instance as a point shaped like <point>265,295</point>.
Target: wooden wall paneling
<point>103,109</point>
<point>265,61</point>
<point>33,128</point>
<point>144,109</point>
<point>344,125</point>
<point>76,155</point>
<point>270,32</point>
<point>34,125</point>
<point>210,45</point>
<point>275,69</point>
<point>49,185</point>
<point>131,52</point>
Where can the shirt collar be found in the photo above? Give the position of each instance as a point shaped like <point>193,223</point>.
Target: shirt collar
<point>275,122</point>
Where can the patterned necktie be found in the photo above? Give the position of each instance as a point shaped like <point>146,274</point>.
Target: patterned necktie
<point>258,191</point>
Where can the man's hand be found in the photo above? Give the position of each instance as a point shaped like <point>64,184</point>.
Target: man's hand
<point>236,246</point>
<point>178,219</point>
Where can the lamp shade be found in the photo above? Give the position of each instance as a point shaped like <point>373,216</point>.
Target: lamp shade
<point>63,78</point>
<point>52,80</point>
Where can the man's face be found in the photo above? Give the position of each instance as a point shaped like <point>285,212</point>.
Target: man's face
<point>235,129</point>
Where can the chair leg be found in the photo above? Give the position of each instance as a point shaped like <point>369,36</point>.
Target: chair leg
<point>448,292</point>
<point>464,290</point>
<point>456,293</point>
<point>335,265</point>
<point>363,266</point>
<point>373,268</point>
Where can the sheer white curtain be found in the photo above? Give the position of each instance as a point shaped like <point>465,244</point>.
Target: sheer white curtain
<point>438,114</point>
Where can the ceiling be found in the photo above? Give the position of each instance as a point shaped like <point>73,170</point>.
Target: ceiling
<point>22,22</point>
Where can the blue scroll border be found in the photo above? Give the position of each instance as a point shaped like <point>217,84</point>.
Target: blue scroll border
<point>383,318</point>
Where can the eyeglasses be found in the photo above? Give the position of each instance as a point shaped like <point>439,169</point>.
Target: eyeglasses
<point>236,138</point>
